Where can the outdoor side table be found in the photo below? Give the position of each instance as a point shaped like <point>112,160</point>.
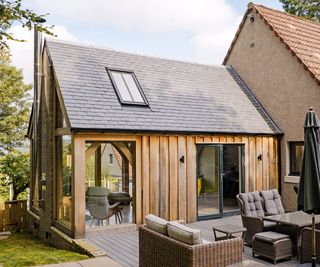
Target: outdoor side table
<point>228,230</point>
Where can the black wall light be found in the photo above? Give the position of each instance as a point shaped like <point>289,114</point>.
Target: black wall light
<point>260,157</point>
<point>182,159</point>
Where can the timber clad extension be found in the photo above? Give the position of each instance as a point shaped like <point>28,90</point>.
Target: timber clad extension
<point>191,108</point>
<point>175,198</point>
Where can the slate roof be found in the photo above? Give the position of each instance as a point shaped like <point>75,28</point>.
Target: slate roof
<point>183,97</point>
<point>300,36</point>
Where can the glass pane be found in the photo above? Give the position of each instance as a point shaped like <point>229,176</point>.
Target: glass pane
<point>208,174</point>
<point>296,157</point>
<point>133,87</point>
<point>231,176</point>
<point>64,178</point>
<point>122,88</point>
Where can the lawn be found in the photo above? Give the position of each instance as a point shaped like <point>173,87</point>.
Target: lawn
<point>21,249</point>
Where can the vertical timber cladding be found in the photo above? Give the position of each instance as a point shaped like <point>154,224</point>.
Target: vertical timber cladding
<point>168,171</point>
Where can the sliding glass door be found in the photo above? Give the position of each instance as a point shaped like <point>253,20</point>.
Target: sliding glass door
<point>208,176</point>
<point>219,179</point>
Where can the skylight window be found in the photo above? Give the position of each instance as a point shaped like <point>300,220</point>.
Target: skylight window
<point>127,87</point>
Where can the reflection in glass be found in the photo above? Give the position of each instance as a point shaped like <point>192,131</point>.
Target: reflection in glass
<point>208,174</point>
<point>64,178</point>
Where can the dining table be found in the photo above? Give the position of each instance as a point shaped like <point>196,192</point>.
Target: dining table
<point>296,219</point>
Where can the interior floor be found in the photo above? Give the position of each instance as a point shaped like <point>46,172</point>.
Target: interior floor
<point>208,204</point>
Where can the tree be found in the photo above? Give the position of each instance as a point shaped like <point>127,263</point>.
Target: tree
<point>14,171</point>
<point>309,9</point>
<point>11,11</point>
<point>14,108</point>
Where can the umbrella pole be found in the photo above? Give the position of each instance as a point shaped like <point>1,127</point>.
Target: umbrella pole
<point>313,261</point>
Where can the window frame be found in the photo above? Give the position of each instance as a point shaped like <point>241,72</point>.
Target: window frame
<point>292,148</point>
<point>111,158</point>
<point>114,84</point>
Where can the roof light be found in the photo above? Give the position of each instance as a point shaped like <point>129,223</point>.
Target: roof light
<point>127,87</point>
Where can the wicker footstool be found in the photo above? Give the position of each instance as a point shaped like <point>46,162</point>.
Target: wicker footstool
<point>272,245</point>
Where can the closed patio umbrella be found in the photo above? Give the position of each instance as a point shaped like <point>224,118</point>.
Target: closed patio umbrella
<point>309,185</point>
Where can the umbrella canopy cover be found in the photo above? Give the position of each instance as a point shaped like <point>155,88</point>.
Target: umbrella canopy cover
<point>309,185</point>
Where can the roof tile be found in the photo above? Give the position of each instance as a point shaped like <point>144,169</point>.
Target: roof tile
<point>182,96</point>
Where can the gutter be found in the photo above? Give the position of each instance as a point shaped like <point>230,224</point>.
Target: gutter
<point>76,130</point>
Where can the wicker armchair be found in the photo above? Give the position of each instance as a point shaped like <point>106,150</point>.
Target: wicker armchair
<point>159,250</point>
<point>306,245</point>
<point>251,214</point>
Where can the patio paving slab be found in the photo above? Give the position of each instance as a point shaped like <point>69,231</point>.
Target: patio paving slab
<point>96,262</point>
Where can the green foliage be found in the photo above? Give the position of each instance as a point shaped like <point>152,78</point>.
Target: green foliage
<point>14,108</point>
<point>11,11</point>
<point>14,170</point>
<point>105,172</point>
<point>309,9</point>
<point>35,252</point>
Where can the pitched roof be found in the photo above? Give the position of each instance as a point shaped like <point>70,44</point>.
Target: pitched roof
<point>182,96</point>
<point>300,36</point>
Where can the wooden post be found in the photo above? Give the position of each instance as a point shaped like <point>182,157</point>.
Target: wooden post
<point>125,174</point>
<point>97,166</point>
<point>313,259</point>
<point>138,184</point>
<point>78,187</point>
<point>191,180</point>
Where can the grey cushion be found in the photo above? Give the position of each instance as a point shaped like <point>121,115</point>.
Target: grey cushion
<point>98,191</point>
<point>205,242</point>
<point>252,205</point>
<point>270,237</point>
<point>184,234</point>
<point>156,224</point>
<point>272,201</point>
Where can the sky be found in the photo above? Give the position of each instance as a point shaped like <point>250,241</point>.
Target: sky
<point>191,30</point>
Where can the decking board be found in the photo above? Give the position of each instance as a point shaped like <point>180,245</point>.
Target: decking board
<point>118,248</point>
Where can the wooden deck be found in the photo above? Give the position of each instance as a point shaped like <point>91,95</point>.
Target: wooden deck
<point>123,247</point>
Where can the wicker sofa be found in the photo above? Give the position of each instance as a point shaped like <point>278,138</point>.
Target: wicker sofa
<point>158,249</point>
<point>256,205</point>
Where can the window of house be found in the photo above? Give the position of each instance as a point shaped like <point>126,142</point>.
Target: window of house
<point>127,87</point>
<point>296,156</point>
<point>111,159</point>
<point>64,178</point>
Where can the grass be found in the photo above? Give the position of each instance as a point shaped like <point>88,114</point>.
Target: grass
<point>21,249</point>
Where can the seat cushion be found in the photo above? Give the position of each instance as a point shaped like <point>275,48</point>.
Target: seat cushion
<point>252,205</point>
<point>122,197</point>
<point>269,225</point>
<point>184,234</point>
<point>272,201</point>
<point>119,194</point>
<point>156,224</point>
<point>270,237</point>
